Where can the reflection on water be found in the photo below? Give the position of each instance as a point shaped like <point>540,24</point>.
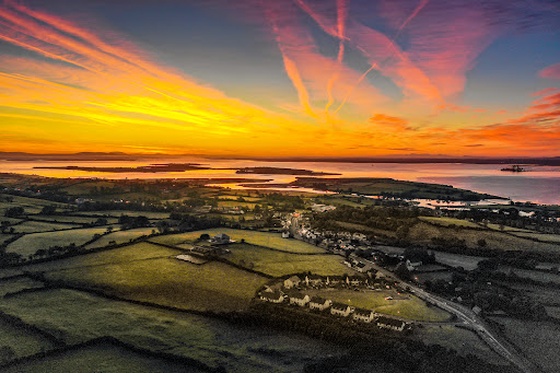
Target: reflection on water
<point>540,184</point>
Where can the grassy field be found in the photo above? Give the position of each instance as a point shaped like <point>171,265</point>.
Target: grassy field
<point>70,219</point>
<point>77,317</point>
<point>404,305</point>
<point>30,243</point>
<point>149,273</point>
<point>22,342</point>
<point>276,263</point>
<point>272,240</point>
<point>101,358</point>
<point>18,284</point>
<point>117,213</point>
<point>232,204</point>
<point>461,340</point>
<point>39,226</point>
<point>30,205</point>
<point>120,237</point>
<point>554,238</point>
<point>445,222</point>
<point>539,341</point>
<point>423,232</point>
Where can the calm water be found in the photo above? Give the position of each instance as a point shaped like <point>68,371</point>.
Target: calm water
<point>540,184</point>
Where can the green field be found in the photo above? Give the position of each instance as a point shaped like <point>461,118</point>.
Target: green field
<point>120,237</point>
<point>70,219</point>
<point>101,358</point>
<point>18,284</point>
<point>30,243</point>
<point>21,342</point>
<point>39,226</point>
<point>538,340</point>
<point>271,240</point>
<point>404,305</point>
<point>232,204</point>
<point>554,238</point>
<point>422,233</point>
<point>445,222</point>
<point>77,317</point>
<point>117,213</point>
<point>276,263</point>
<point>149,273</point>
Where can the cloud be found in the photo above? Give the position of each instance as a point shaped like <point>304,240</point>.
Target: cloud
<point>390,122</point>
<point>550,72</point>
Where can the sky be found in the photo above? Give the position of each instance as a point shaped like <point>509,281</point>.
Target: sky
<point>281,78</point>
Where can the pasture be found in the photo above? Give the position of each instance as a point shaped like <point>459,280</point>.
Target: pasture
<point>402,305</point>
<point>22,342</point>
<point>120,237</point>
<point>30,243</point>
<point>39,226</point>
<point>77,317</point>
<point>18,284</point>
<point>276,263</point>
<point>446,222</point>
<point>266,239</point>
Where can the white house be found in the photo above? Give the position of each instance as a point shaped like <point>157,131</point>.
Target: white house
<point>319,304</point>
<point>292,282</point>
<point>272,297</point>
<point>340,309</point>
<point>361,315</point>
<point>299,299</point>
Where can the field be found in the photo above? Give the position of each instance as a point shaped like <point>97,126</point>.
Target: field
<point>151,274</point>
<point>445,222</point>
<point>271,240</point>
<point>276,263</point>
<point>39,226</point>
<point>539,236</point>
<point>70,219</point>
<point>403,305</point>
<point>77,317</point>
<point>101,358</point>
<point>461,340</point>
<point>456,260</point>
<point>120,237</point>
<point>18,284</point>
<point>30,243</point>
<point>539,341</point>
<point>423,232</point>
<point>21,342</point>
<point>117,213</point>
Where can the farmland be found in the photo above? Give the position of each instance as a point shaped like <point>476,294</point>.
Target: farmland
<point>401,305</point>
<point>19,341</point>
<point>38,226</point>
<point>120,237</point>
<point>30,243</point>
<point>270,240</point>
<point>276,263</point>
<point>76,317</point>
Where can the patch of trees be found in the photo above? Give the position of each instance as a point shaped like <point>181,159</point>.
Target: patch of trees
<point>188,222</point>
<point>131,222</point>
<point>14,212</point>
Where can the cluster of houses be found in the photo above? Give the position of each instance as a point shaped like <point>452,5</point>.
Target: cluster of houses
<point>290,295</point>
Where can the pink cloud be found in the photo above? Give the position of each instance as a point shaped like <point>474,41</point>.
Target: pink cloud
<point>550,72</point>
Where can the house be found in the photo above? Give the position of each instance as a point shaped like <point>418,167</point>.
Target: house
<point>340,309</point>
<point>221,239</point>
<point>391,324</point>
<point>313,280</point>
<point>299,299</point>
<point>286,234</point>
<point>362,315</point>
<point>272,297</point>
<point>411,266</point>
<point>319,304</point>
<point>292,282</point>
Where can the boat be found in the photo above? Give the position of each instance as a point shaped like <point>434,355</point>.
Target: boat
<point>514,168</point>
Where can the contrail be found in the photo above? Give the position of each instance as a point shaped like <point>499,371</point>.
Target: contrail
<point>414,13</point>
<point>341,15</point>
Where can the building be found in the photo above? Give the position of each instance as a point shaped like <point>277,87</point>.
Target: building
<point>339,309</point>
<point>292,282</point>
<point>299,299</point>
<point>389,323</point>
<point>272,297</point>
<point>362,315</point>
<point>319,304</point>
<point>313,280</point>
<point>221,239</point>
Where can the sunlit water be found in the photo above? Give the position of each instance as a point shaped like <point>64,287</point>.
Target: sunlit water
<point>541,184</point>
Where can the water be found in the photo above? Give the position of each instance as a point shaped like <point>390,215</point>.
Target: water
<point>541,184</point>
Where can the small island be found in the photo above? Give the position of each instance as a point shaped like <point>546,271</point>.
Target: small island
<point>153,168</point>
<point>281,171</point>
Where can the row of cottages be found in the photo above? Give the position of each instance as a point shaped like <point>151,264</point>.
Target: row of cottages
<point>362,315</point>
<point>340,309</point>
<point>313,280</point>
<point>392,324</point>
<point>319,304</point>
<point>275,296</point>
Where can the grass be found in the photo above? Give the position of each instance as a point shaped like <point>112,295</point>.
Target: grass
<point>277,264</point>
<point>271,240</point>
<point>69,219</point>
<point>232,204</point>
<point>77,317</point>
<point>39,226</point>
<point>538,340</point>
<point>105,358</point>
<point>120,237</point>
<point>404,305</point>
<point>554,238</point>
<point>18,284</point>
<point>445,222</point>
<point>22,342</point>
<point>30,243</point>
<point>118,213</point>
<point>150,273</point>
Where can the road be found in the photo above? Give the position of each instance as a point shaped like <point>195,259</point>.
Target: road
<point>467,316</point>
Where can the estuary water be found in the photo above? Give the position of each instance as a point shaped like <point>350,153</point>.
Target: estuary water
<point>539,184</point>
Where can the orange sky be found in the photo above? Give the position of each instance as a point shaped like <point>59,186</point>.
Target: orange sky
<point>343,86</point>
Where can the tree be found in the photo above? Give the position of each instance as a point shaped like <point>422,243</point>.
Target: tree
<point>14,212</point>
<point>204,237</point>
<point>48,210</point>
